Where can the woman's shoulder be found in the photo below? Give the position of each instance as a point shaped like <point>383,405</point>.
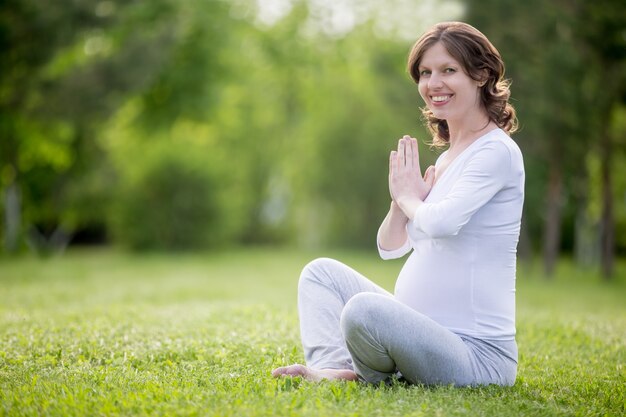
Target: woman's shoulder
<point>500,142</point>
<point>497,152</point>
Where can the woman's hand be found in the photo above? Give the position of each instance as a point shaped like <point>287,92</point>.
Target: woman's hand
<point>406,185</point>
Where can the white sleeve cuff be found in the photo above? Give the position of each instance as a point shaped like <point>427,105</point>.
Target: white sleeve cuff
<point>395,253</point>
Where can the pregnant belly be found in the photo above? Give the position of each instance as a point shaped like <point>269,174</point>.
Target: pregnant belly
<point>437,285</point>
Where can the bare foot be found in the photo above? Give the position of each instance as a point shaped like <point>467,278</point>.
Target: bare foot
<point>314,375</point>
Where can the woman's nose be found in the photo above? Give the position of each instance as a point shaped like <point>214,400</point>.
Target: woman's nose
<point>434,81</point>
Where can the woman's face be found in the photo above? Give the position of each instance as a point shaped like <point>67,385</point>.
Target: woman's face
<point>445,87</point>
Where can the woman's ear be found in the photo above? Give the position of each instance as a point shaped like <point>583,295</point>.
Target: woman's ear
<point>484,76</point>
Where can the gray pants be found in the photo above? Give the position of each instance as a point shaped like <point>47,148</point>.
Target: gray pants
<point>348,322</point>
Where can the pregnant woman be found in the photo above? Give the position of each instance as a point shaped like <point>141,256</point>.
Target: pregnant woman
<point>451,319</point>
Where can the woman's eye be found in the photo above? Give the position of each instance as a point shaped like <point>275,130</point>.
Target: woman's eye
<point>424,73</point>
<point>449,70</point>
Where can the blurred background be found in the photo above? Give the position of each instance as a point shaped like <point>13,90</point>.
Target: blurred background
<point>202,124</point>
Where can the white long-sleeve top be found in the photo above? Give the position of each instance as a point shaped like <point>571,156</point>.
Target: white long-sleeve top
<point>464,238</point>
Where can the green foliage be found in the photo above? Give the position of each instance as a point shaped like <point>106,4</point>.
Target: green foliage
<point>295,118</point>
<point>171,204</point>
<point>66,66</point>
<point>198,335</point>
<point>191,71</point>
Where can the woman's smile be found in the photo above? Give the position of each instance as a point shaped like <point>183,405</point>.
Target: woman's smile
<point>441,99</point>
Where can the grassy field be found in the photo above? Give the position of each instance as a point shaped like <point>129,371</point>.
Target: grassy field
<point>102,333</point>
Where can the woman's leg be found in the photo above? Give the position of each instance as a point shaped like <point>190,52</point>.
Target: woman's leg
<point>385,336</point>
<point>324,288</point>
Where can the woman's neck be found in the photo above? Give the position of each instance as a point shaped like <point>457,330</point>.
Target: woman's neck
<point>463,134</point>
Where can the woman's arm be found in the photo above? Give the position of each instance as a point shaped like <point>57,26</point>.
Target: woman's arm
<point>483,176</point>
<point>392,233</point>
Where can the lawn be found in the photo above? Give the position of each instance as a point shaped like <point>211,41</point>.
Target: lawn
<point>105,333</point>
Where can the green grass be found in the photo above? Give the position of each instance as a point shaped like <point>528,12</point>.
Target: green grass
<point>97,333</point>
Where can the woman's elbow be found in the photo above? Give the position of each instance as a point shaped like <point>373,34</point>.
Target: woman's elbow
<point>438,224</point>
<point>442,229</point>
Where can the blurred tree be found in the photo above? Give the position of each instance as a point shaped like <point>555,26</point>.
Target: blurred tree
<point>170,203</point>
<point>24,27</point>
<point>65,67</point>
<point>261,127</point>
<point>601,32</point>
<point>220,96</point>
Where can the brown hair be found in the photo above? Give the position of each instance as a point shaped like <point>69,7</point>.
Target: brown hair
<point>481,61</point>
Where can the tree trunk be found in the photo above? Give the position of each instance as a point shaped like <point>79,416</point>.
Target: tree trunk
<point>12,216</point>
<point>552,226</point>
<point>607,221</point>
<point>587,238</point>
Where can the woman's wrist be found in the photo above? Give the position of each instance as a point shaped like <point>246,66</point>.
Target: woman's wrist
<point>392,233</point>
<point>408,206</point>
<point>396,211</point>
